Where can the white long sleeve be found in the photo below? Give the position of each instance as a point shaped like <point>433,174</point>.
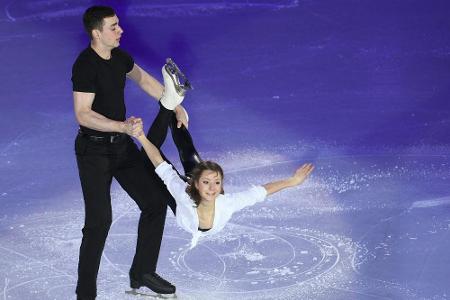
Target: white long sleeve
<point>175,185</point>
<point>226,205</point>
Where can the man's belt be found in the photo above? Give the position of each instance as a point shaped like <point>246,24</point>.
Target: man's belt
<point>112,138</point>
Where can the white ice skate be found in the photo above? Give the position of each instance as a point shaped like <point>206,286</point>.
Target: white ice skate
<point>182,84</point>
<point>175,85</point>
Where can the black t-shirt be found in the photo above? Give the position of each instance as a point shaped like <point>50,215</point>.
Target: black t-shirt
<point>105,78</point>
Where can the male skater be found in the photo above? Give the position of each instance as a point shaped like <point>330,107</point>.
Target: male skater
<point>104,150</point>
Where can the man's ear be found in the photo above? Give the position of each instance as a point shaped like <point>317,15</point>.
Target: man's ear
<point>95,33</point>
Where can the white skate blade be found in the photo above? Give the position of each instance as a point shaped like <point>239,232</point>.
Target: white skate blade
<point>150,294</point>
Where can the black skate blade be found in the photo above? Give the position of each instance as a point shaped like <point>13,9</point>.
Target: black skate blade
<point>182,81</point>
<point>149,294</point>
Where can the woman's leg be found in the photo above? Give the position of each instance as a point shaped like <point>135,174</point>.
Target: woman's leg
<point>189,156</point>
<point>158,130</point>
<point>157,135</point>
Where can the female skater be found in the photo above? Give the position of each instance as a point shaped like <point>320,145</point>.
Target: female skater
<point>202,208</point>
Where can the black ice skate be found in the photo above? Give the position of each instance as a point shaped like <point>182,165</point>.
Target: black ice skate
<point>182,84</point>
<point>159,287</point>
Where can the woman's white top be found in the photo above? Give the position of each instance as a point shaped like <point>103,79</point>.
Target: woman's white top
<point>226,205</point>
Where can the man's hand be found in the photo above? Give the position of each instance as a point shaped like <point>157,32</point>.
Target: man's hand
<point>182,116</point>
<point>133,126</point>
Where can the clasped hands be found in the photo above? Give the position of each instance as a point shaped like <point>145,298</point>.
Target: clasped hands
<point>133,126</point>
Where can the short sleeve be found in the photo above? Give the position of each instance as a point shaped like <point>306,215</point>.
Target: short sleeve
<point>125,59</point>
<point>129,62</point>
<point>83,76</point>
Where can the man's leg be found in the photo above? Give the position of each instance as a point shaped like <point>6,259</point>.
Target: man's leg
<point>150,195</point>
<point>95,182</point>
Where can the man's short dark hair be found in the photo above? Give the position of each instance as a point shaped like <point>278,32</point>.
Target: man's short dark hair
<point>93,17</point>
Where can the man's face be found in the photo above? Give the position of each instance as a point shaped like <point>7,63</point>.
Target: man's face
<point>110,34</point>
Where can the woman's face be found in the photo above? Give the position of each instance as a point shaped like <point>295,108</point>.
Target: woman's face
<point>209,185</point>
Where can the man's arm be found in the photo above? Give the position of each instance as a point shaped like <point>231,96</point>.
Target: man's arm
<point>91,119</point>
<point>147,82</point>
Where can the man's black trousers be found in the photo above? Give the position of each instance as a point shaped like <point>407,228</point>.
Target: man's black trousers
<point>98,163</point>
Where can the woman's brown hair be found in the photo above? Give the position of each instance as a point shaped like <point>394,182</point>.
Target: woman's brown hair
<point>196,173</point>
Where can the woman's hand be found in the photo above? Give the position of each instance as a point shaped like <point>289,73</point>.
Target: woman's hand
<point>301,174</point>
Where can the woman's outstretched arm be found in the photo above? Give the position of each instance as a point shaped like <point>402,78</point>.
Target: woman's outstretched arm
<point>152,152</point>
<point>299,176</point>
